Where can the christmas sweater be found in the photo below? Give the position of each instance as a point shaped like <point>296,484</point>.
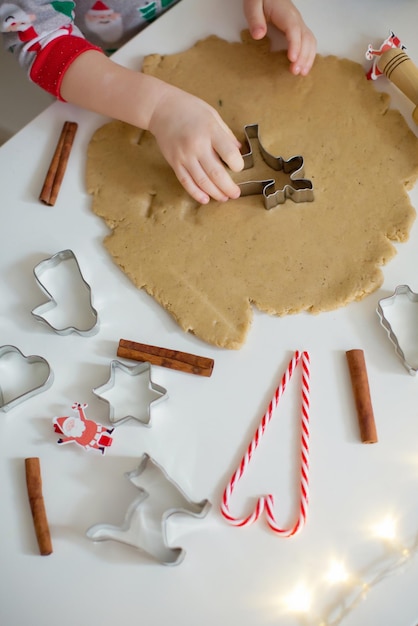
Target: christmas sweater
<point>46,36</point>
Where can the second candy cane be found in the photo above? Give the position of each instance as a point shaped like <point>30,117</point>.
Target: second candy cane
<point>266,503</point>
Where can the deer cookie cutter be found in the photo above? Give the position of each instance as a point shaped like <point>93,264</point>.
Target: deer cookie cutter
<point>298,189</point>
<point>16,385</point>
<point>144,526</point>
<point>408,328</point>
<point>62,275</point>
<point>153,393</point>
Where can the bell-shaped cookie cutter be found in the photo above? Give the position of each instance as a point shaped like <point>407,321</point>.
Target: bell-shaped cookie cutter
<point>52,262</point>
<point>401,290</point>
<point>32,359</point>
<point>299,189</point>
<point>145,523</point>
<point>141,369</point>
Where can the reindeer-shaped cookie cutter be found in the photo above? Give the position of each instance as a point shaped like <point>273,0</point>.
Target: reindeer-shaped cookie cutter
<point>298,189</point>
<point>145,523</point>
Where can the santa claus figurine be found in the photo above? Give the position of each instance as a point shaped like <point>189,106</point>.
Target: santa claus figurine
<point>86,433</point>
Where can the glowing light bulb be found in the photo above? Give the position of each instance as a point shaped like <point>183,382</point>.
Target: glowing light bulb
<point>299,600</point>
<point>337,573</point>
<point>386,529</point>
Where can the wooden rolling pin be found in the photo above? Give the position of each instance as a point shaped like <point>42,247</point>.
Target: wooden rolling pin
<point>403,73</point>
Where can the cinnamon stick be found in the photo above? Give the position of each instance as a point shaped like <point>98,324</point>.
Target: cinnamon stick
<point>58,165</point>
<point>361,390</point>
<point>174,359</point>
<point>36,501</point>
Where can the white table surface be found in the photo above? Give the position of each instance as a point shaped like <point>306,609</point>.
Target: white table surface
<point>230,575</point>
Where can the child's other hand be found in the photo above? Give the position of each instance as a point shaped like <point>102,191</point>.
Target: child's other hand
<point>197,144</point>
<point>285,16</point>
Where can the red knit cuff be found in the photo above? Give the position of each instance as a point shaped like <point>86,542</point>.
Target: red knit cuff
<point>53,61</point>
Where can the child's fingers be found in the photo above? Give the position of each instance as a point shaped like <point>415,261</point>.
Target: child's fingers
<point>254,14</point>
<point>216,180</point>
<point>208,179</point>
<point>232,157</point>
<point>306,61</point>
<point>208,171</point>
<point>198,144</point>
<point>190,186</point>
<point>294,41</point>
<point>301,51</point>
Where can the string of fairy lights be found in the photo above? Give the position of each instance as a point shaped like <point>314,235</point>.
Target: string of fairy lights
<point>347,589</point>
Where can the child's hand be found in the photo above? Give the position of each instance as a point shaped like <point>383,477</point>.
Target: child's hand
<point>285,16</point>
<point>197,144</point>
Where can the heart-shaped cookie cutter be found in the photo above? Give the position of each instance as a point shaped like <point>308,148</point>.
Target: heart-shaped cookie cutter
<point>33,359</point>
<point>401,290</point>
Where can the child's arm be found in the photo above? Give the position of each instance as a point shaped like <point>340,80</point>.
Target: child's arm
<point>285,16</point>
<point>190,133</point>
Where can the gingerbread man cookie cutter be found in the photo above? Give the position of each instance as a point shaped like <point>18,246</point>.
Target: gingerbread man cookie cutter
<point>77,287</point>
<point>298,189</point>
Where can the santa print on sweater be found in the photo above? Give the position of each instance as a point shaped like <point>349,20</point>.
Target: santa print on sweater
<point>106,23</point>
<point>86,433</point>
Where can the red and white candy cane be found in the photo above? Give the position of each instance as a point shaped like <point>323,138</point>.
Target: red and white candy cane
<point>266,503</point>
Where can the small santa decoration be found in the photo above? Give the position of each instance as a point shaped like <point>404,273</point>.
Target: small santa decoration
<point>373,54</point>
<point>86,433</point>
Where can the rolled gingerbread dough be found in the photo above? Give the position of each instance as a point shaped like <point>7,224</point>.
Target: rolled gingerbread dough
<point>209,265</point>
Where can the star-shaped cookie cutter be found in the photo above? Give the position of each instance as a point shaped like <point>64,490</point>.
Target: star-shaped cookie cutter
<point>299,189</point>
<point>142,369</point>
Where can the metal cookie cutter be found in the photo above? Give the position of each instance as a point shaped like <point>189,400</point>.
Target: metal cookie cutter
<point>74,295</point>
<point>383,304</point>
<point>153,393</point>
<point>22,387</point>
<point>144,526</point>
<point>299,189</point>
